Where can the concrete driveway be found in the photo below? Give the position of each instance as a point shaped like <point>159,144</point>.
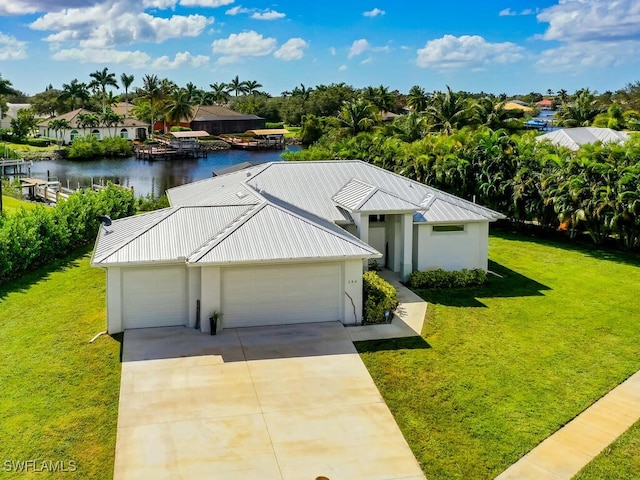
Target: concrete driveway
<point>291,403</point>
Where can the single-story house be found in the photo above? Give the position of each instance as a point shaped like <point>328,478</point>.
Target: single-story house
<point>11,112</point>
<point>545,104</point>
<point>129,128</point>
<point>217,120</point>
<point>279,243</point>
<point>517,105</point>
<point>574,138</point>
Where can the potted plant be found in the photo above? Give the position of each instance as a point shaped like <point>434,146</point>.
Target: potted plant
<point>214,317</point>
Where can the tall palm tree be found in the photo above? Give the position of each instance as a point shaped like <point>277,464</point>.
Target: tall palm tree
<point>417,99</point>
<point>220,92</point>
<point>74,91</point>
<point>126,81</point>
<point>357,116</point>
<point>179,106</point>
<point>303,92</point>
<point>252,87</point>
<point>59,125</point>
<point>101,80</point>
<point>581,111</point>
<point>380,97</point>
<point>110,119</point>
<point>88,120</point>
<point>448,111</point>
<point>153,92</point>
<point>235,85</point>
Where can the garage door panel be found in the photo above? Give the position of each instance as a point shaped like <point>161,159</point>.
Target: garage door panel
<point>154,297</point>
<point>281,295</point>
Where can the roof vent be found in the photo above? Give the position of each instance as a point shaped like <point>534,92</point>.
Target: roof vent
<point>248,174</point>
<point>241,194</point>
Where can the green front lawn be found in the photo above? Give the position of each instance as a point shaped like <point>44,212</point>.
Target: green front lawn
<point>10,204</point>
<point>499,368</point>
<point>59,399</point>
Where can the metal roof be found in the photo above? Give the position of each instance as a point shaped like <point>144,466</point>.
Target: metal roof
<point>268,131</point>
<point>353,194</point>
<point>573,138</point>
<point>358,196</point>
<point>190,134</point>
<point>271,232</point>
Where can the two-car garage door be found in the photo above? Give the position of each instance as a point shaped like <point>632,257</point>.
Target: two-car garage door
<point>284,294</point>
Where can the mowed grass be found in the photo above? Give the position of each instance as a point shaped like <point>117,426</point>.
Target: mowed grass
<point>500,368</point>
<point>59,399</point>
<point>11,205</point>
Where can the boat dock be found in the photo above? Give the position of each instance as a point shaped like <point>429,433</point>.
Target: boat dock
<point>261,139</point>
<point>15,167</point>
<point>51,191</point>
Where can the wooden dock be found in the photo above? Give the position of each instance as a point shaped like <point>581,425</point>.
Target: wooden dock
<point>166,151</point>
<point>15,167</point>
<point>52,191</point>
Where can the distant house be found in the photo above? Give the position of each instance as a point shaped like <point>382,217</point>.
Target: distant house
<point>545,104</point>
<point>574,138</point>
<point>215,120</point>
<point>11,112</point>
<point>517,105</point>
<point>129,128</point>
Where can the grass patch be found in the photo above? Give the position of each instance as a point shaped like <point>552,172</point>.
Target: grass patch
<point>620,460</point>
<point>503,366</point>
<point>59,397</point>
<point>293,131</point>
<point>11,205</point>
<point>23,147</point>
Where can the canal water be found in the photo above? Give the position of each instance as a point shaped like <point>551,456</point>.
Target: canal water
<point>147,176</point>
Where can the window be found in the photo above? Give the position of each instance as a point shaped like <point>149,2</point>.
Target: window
<point>96,133</point>
<point>74,134</point>
<point>447,228</point>
<point>124,133</point>
<point>376,218</point>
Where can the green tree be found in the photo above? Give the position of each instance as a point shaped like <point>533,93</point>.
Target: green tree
<point>179,106</point>
<point>448,111</point>
<point>74,92</point>
<point>252,87</point>
<point>24,123</point>
<point>153,91</point>
<point>417,99</point>
<point>88,120</point>
<point>126,81</point>
<point>220,93</point>
<point>47,103</point>
<point>110,119</point>
<point>59,125</point>
<point>581,111</point>
<point>101,80</point>
<point>357,116</point>
<point>237,86</point>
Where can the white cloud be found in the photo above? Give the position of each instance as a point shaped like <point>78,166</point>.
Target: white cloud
<point>589,20</point>
<point>267,15</point>
<point>115,23</point>
<point>366,60</point>
<point>450,52</point>
<point>245,44</point>
<point>181,59</point>
<point>358,47</point>
<point>292,49</point>
<point>374,13</point>
<point>11,48</point>
<point>205,3</point>
<point>332,50</point>
<point>237,10</point>
<point>507,12</point>
<point>585,56</point>
<point>162,4</point>
<point>102,56</point>
<point>343,68</point>
<point>21,7</point>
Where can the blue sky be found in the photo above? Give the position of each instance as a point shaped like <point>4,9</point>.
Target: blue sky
<point>511,46</point>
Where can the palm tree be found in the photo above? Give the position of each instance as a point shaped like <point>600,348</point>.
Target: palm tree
<point>127,81</point>
<point>101,80</point>
<point>251,87</point>
<point>110,119</point>
<point>448,111</point>
<point>220,92</point>
<point>235,85</point>
<point>581,112</point>
<point>5,87</point>
<point>357,116</point>
<point>153,92</point>
<point>59,125</point>
<point>563,95</point>
<point>417,99</point>
<point>380,97</point>
<point>179,106</point>
<point>88,120</point>
<point>74,91</point>
<point>490,112</point>
<point>302,92</point>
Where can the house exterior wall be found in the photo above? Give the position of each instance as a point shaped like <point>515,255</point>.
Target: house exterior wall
<point>114,300</point>
<point>217,127</point>
<point>352,292</point>
<point>451,250</point>
<point>210,296</point>
<point>132,132</point>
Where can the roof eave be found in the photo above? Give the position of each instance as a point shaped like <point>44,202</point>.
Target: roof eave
<point>286,260</point>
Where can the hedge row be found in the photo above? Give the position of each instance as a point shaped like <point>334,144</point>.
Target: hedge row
<point>30,238</point>
<point>439,278</point>
<point>91,147</point>
<point>379,297</point>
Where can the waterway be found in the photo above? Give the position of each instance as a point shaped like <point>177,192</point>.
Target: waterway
<point>146,176</point>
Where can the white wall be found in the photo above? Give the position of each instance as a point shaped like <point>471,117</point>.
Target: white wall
<point>353,291</point>
<point>193,295</point>
<point>210,296</point>
<point>83,132</point>
<point>114,300</point>
<point>451,250</point>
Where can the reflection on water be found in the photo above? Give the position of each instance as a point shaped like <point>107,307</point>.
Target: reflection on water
<point>145,176</point>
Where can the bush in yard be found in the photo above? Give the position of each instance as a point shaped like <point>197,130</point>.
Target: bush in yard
<point>30,238</point>
<point>379,296</point>
<point>116,147</point>
<point>85,147</point>
<point>439,278</point>
<point>274,125</point>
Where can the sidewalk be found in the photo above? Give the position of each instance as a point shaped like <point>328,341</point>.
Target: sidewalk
<point>564,453</point>
<point>407,321</point>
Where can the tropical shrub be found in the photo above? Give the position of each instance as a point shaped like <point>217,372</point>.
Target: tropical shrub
<point>274,124</point>
<point>379,297</point>
<point>439,278</point>
<point>36,237</point>
<point>116,147</point>
<point>84,147</point>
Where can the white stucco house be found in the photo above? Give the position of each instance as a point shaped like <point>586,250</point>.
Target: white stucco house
<point>281,242</point>
<point>129,128</point>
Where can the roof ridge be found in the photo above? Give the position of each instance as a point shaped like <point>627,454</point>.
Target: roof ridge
<point>225,231</point>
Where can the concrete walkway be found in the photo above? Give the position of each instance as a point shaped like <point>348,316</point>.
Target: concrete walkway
<point>564,453</point>
<point>271,403</point>
<point>407,321</point>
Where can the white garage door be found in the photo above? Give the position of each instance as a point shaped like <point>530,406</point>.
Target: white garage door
<point>282,294</point>
<point>154,297</point>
